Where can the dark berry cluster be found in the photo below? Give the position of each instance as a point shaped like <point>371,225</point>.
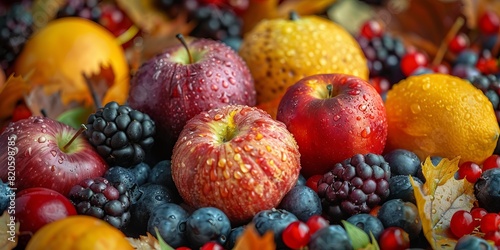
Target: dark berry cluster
<point>120,134</point>
<point>354,186</point>
<point>15,29</point>
<point>101,199</point>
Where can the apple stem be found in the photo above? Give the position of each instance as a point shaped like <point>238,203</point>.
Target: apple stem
<point>329,87</point>
<point>293,16</point>
<point>78,133</point>
<point>180,37</point>
<point>43,112</point>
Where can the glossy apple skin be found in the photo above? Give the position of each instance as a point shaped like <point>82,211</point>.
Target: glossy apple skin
<point>241,175</point>
<point>330,130</point>
<point>35,207</point>
<point>171,92</point>
<point>40,162</point>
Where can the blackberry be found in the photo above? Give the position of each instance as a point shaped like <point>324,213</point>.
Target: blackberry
<point>207,224</point>
<point>15,29</point>
<point>88,9</point>
<point>275,220</point>
<point>356,185</point>
<point>170,220</point>
<point>384,56</point>
<point>216,23</point>
<point>120,134</point>
<point>101,199</point>
<point>301,201</point>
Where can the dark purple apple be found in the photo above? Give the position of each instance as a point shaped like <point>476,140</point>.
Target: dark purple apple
<point>186,79</point>
<point>37,154</point>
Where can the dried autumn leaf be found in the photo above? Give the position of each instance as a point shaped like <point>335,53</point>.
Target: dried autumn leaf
<point>251,240</point>
<point>8,236</point>
<point>98,84</point>
<point>144,242</point>
<point>38,98</point>
<point>439,198</point>
<point>11,92</point>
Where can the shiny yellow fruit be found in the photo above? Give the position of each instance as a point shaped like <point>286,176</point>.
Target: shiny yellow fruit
<point>441,115</point>
<point>67,48</point>
<point>78,232</point>
<point>279,52</point>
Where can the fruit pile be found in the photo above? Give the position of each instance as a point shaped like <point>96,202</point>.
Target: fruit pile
<point>222,124</point>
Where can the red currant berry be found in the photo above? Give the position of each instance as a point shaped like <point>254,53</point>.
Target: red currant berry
<point>458,43</point>
<point>183,248</point>
<point>477,214</point>
<point>461,223</point>
<point>470,171</point>
<point>296,235</point>
<point>412,61</point>
<point>491,162</point>
<point>381,84</point>
<point>312,182</point>
<point>490,223</point>
<point>489,23</point>
<point>441,68</point>
<point>394,238</point>
<point>493,236</point>
<point>212,245</point>
<point>371,29</point>
<point>315,223</point>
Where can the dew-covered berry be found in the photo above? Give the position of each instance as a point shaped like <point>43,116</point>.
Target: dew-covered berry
<point>330,237</point>
<point>401,188</point>
<point>121,175</point>
<point>275,220</point>
<point>402,162</point>
<point>141,173</point>
<point>367,223</point>
<point>170,220</point>
<point>397,213</point>
<point>207,224</point>
<point>234,235</point>
<point>487,190</point>
<point>468,242</point>
<point>301,201</point>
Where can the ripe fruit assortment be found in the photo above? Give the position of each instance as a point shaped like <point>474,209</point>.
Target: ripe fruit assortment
<point>233,130</point>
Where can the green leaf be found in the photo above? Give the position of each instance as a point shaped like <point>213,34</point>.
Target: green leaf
<point>75,117</point>
<point>359,238</point>
<point>163,244</point>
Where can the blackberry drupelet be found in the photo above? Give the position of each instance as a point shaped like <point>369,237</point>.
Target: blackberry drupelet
<point>384,56</point>
<point>354,186</point>
<point>216,23</point>
<point>88,9</point>
<point>15,29</point>
<point>120,134</point>
<point>101,199</point>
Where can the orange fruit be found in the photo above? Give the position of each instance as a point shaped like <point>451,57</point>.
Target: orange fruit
<point>67,48</point>
<point>441,115</point>
<point>279,52</point>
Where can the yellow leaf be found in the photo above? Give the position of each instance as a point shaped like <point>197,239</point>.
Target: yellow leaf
<point>9,232</point>
<point>439,198</point>
<point>11,92</point>
<point>144,242</point>
<point>251,240</point>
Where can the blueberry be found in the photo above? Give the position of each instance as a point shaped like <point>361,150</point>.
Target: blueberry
<point>275,220</point>
<point>121,175</point>
<point>151,196</point>
<point>5,194</point>
<point>367,223</point>
<point>207,224</point>
<point>402,162</point>
<point>397,213</point>
<point>141,172</point>
<point>400,188</point>
<point>233,236</point>
<point>467,57</point>
<point>421,71</point>
<point>487,190</point>
<point>302,201</point>
<point>468,242</point>
<point>330,237</point>
<point>161,174</point>
<point>170,220</point>
<point>465,71</point>
<point>301,181</point>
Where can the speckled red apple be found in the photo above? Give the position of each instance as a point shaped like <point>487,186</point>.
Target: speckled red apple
<point>236,158</point>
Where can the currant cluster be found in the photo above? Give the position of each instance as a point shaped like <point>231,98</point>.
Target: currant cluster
<point>477,221</point>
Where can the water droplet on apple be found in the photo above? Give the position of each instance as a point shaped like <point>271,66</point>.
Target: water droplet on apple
<point>362,107</point>
<point>156,75</point>
<point>336,117</point>
<point>209,73</point>
<point>214,87</point>
<point>354,92</point>
<point>53,153</point>
<point>41,139</point>
<point>225,99</point>
<point>231,80</point>
<point>60,160</point>
<point>365,97</point>
<point>53,168</point>
<point>358,118</point>
<point>365,133</point>
<point>225,84</point>
<point>44,130</point>
<point>38,120</point>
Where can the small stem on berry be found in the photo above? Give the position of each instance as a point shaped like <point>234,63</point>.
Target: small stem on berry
<point>293,16</point>
<point>329,87</point>
<point>180,37</point>
<point>443,47</point>
<point>95,98</point>
<point>78,133</point>
<point>43,112</point>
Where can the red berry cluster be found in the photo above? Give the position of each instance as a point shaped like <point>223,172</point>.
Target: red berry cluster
<point>297,234</point>
<point>476,220</point>
<point>472,171</point>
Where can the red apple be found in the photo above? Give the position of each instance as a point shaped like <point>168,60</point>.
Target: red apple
<point>236,158</point>
<point>333,117</point>
<point>183,81</point>
<point>35,155</point>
